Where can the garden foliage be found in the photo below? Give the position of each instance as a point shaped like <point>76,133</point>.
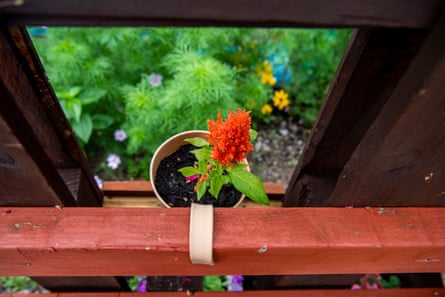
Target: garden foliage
<point>150,83</point>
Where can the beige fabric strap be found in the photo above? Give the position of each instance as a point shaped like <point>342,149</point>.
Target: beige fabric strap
<point>201,234</point>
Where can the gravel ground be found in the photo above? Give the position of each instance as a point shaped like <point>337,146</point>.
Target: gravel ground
<point>277,150</point>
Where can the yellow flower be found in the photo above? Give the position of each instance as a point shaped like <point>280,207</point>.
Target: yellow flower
<point>280,99</point>
<point>268,79</point>
<point>267,68</point>
<point>266,109</point>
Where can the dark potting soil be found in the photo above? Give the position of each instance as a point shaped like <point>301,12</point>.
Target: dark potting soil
<point>177,192</point>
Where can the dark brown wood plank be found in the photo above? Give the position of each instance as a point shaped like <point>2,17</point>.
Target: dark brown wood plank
<point>316,13</point>
<point>431,292</point>
<point>325,281</point>
<point>33,114</point>
<point>368,73</point>
<point>267,241</point>
<point>83,284</point>
<point>401,159</point>
<point>25,168</point>
<point>22,183</point>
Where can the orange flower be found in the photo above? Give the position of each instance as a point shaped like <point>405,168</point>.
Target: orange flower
<point>230,138</point>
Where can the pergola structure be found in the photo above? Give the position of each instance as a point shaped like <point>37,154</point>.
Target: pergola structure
<point>378,147</point>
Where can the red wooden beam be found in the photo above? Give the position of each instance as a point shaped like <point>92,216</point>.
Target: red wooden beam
<point>284,293</point>
<point>116,241</point>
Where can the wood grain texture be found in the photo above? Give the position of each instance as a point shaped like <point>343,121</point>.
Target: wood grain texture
<point>372,66</point>
<point>144,188</point>
<point>401,159</point>
<point>25,107</point>
<point>54,242</point>
<point>21,183</point>
<point>316,13</point>
<point>432,292</point>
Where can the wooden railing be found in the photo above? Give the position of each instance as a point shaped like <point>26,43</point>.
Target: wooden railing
<point>378,143</point>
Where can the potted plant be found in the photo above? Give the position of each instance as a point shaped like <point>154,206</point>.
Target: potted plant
<point>208,167</point>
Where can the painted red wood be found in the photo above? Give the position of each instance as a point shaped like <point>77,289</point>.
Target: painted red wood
<point>434,292</point>
<point>316,13</point>
<point>104,242</point>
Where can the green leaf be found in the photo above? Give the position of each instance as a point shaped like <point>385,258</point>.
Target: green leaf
<point>202,166</point>
<point>197,141</point>
<point>253,134</point>
<point>216,183</point>
<point>203,153</point>
<point>70,94</point>
<point>92,95</point>
<point>226,179</point>
<point>248,184</point>
<point>202,188</point>
<point>102,121</point>
<point>84,127</point>
<point>188,171</point>
<point>72,109</point>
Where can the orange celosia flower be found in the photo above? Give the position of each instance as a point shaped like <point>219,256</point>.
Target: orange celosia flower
<point>230,138</point>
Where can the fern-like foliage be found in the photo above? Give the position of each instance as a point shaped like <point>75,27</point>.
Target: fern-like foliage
<point>103,80</point>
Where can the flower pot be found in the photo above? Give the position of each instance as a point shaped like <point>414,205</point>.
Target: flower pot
<point>166,149</point>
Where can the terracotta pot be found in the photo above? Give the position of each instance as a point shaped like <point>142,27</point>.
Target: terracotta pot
<point>170,146</point>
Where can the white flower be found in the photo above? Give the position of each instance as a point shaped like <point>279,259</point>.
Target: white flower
<point>155,80</point>
<point>99,182</point>
<point>120,135</point>
<point>113,161</point>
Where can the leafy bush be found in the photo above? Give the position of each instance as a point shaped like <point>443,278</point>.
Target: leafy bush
<point>155,82</point>
<point>22,284</point>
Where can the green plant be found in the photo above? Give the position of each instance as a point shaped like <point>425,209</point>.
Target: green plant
<point>213,283</point>
<point>75,102</point>
<point>18,284</point>
<point>104,81</point>
<point>220,158</point>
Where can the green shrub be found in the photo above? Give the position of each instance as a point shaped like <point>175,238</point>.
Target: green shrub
<point>102,79</point>
<point>18,284</point>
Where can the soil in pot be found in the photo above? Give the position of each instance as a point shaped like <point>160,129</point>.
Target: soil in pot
<point>177,192</point>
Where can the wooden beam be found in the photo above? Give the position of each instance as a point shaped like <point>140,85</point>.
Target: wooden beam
<point>370,70</point>
<point>25,168</point>
<point>267,241</point>
<point>144,188</point>
<point>83,284</point>
<point>401,159</point>
<point>316,13</point>
<point>432,292</point>
<point>34,118</point>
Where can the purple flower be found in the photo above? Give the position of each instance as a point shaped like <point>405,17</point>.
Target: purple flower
<point>235,283</point>
<point>120,135</point>
<point>142,286</point>
<point>99,182</point>
<point>113,161</point>
<point>356,287</point>
<point>155,80</point>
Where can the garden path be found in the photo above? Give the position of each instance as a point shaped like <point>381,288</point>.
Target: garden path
<point>277,150</point>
